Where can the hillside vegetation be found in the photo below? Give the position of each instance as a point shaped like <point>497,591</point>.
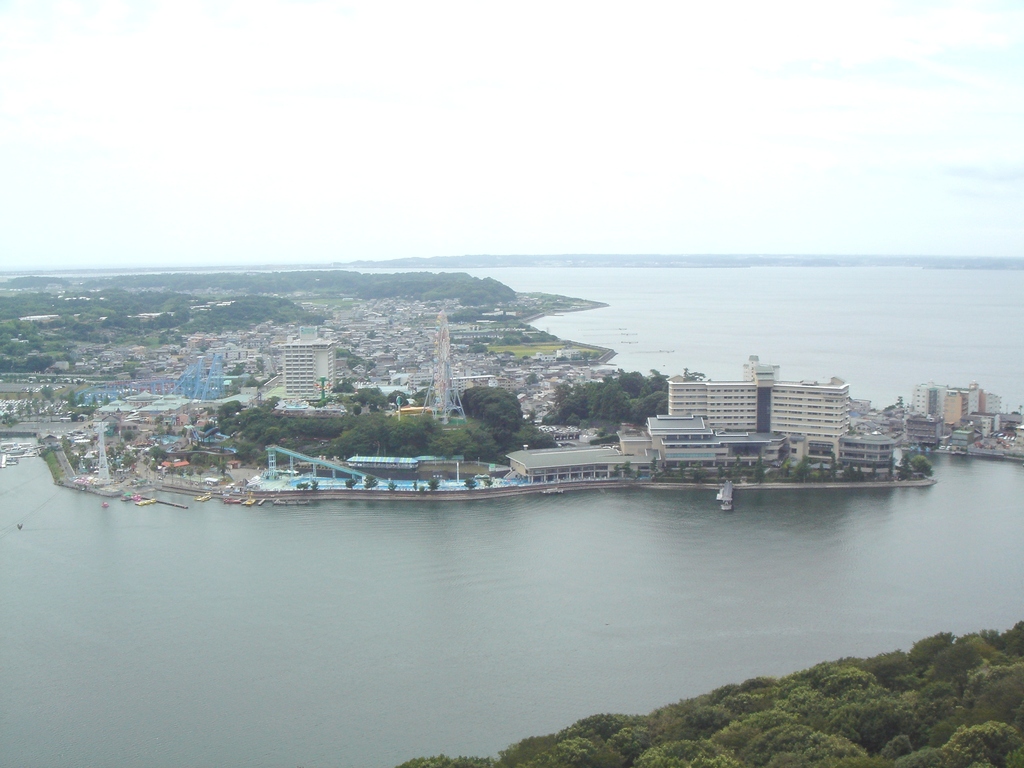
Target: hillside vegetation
<point>424,286</point>
<point>494,428</point>
<point>950,702</point>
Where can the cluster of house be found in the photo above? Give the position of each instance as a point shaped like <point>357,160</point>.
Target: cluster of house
<point>390,344</point>
<point>961,418</point>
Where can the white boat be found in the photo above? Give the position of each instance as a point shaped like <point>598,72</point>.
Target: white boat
<point>548,491</point>
<point>725,496</point>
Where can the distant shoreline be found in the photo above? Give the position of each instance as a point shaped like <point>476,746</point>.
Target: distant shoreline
<point>581,261</point>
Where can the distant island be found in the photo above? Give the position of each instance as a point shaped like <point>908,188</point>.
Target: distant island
<point>948,702</point>
<point>721,261</point>
<point>576,260</point>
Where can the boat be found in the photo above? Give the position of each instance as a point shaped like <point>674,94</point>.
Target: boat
<point>249,502</point>
<point>145,502</point>
<point>229,500</point>
<point>104,505</point>
<point>204,497</point>
<point>725,496</point>
<point>261,502</point>
<point>549,491</point>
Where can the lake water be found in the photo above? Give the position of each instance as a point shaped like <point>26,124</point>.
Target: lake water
<point>882,330</point>
<point>363,634</point>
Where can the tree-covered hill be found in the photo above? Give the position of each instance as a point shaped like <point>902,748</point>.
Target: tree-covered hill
<point>950,702</point>
<point>120,316</point>
<point>495,427</point>
<point>625,397</point>
<point>423,286</point>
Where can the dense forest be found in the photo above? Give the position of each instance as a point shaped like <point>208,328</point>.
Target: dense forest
<point>625,397</point>
<point>424,286</point>
<point>949,702</point>
<point>494,427</point>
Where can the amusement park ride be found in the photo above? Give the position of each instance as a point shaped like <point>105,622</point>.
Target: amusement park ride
<point>202,380</point>
<point>442,396</point>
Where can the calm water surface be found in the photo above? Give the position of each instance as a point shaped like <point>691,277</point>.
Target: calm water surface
<point>882,330</point>
<point>363,634</point>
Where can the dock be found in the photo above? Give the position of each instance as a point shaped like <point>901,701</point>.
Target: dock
<point>166,503</point>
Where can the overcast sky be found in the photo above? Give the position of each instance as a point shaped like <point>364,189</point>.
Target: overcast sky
<point>256,131</point>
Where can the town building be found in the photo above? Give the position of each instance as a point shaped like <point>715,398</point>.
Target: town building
<point>870,453</point>
<point>689,440</point>
<point>924,429</point>
<point>762,403</point>
<point>954,404</point>
<point>555,465</point>
<point>928,399</point>
<point>308,364</point>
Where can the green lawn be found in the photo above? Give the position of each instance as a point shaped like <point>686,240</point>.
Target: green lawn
<point>545,347</point>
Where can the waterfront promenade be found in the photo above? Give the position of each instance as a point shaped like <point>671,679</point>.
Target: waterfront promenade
<point>508,491</point>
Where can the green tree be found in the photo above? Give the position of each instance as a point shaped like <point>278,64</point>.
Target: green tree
<point>369,482</point>
<point>803,470</point>
<point>921,465</point>
<point>904,470</point>
<point>350,483</point>
<point>433,483</point>
<point>989,742</point>
<point>470,483</point>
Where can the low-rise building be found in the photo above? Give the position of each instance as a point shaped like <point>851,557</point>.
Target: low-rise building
<point>690,440</point>
<point>924,429</point>
<point>557,465</point>
<point>870,453</point>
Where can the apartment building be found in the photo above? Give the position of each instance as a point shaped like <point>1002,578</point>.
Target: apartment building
<point>762,403</point>
<point>307,363</point>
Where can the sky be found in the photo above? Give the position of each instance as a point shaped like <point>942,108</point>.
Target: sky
<point>263,132</point>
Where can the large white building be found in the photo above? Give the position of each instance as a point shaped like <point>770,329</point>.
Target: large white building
<point>816,414</point>
<point>308,363</point>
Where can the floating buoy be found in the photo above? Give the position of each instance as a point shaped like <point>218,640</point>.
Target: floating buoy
<point>19,526</point>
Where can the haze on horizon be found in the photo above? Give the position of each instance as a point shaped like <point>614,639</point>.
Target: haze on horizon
<point>259,131</point>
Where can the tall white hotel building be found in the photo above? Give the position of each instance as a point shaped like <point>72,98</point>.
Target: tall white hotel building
<point>813,415</point>
<point>308,361</point>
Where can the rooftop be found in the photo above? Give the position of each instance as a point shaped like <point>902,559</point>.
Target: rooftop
<point>549,458</point>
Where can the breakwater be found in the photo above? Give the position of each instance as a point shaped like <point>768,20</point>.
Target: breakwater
<point>504,492</point>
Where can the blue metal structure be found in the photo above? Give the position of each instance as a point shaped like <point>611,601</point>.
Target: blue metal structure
<point>293,456</point>
<point>200,382</point>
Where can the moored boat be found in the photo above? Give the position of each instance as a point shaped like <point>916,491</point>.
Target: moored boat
<point>725,496</point>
